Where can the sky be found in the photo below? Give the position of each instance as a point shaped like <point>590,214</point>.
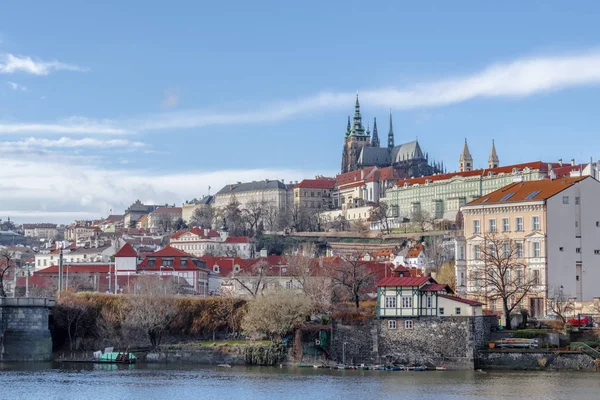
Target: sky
<point>103,103</point>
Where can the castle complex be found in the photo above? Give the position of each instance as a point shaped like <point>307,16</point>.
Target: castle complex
<point>361,151</point>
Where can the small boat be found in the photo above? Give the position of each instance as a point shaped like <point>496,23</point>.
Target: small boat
<point>223,366</point>
<point>117,357</point>
<point>392,368</point>
<point>419,368</point>
<point>442,368</point>
<point>301,365</point>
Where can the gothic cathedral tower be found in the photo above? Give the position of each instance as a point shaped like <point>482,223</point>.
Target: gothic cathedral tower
<point>465,163</point>
<point>493,161</point>
<point>356,138</point>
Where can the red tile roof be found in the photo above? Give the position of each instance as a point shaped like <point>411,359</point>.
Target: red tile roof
<point>170,252</point>
<point>237,239</point>
<point>126,251</point>
<point>383,174</point>
<point>225,264</point>
<point>461,300</point>
<point>414,251</point>
<point>196,231</point>
<point>177,255</point>
<point>528,191</point>
<point>353,177</point>
<point>394,281</point>
<point>536,165</point>
<point>321,183</point>
<point>436,287</point>
<point>77,269</point>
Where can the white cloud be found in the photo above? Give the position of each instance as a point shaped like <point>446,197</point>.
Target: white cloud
<point>171,98</point>
<point>519,78</point>
<point>17,87</point>
<point>69,126</point>
<point>68,143</point>
<point>10,63</point>
<point>60,190</point>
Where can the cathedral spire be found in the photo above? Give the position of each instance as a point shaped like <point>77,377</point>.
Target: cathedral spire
<point>465,162</point>
<point>391,133</point>
<point>357,126</point>
<point>493,161</point>
<point>375,140</point>
<point>349,127</point>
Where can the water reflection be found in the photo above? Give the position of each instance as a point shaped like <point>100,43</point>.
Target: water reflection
<point>107,381</point>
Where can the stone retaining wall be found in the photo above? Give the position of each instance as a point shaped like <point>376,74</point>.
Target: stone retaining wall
<point>209,355</point>
<point>24,333</point>
<point>533,360</point>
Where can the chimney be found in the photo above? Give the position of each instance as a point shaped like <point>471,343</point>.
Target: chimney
<point>362,174</point>
<point>560,162</point>
<point>572,162</point>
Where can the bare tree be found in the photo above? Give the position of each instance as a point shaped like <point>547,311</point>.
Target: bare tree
<point>502,274</point>
<point>276,314</point>
<point>560,305</point>
<point>73,314</point>
<point>361,226</point>
<point>352,275</point>
<point>422,219</point>
<point>165,222</point>
<point>271,216</point>
<point>312,279</point>
<point>446,274</point>
<point>253,213</point>
<point>203,217</point>
<point>382,214</point>
<point>150,315</point>
<point>7,262</point>
<point>253,279</point>
<point>340,224</point>
<point>234,217</point>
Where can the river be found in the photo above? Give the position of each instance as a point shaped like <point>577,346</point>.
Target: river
<point>147,382</point>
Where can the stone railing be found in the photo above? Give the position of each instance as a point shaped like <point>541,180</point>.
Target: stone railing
<point>25,302</point>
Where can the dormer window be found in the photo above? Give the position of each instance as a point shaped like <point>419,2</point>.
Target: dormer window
<point>236,268</point>
<point>216,269</point>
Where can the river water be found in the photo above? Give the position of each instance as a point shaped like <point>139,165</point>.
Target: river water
<point>86,381</point>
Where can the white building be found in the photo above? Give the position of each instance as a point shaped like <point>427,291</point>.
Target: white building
<point>42,231</point>
<point>272,192</point>
<point>554,226</point>
<point>198,242</point>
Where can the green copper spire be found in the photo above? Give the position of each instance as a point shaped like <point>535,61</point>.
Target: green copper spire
<point>391,133</point>
<point>348,127</point>
<point>357,127</point>
<point>375,140</point>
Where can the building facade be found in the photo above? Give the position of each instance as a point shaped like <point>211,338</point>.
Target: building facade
<point>163,218</point>
<point>42,231</point>
<point>550,229</point>
<point>199,242</point>
<point>271,192</point>
<point>189,208</point>
<point>314,194</point>
<point>361,151</point>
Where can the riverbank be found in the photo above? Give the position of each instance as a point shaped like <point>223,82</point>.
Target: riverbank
<point>533,360</point>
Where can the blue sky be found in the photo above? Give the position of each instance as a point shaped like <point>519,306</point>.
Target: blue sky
<point>104,103</point>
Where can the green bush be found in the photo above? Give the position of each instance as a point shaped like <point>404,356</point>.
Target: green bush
<point>529,333</point>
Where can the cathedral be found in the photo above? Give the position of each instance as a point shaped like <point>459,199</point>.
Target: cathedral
<point>361,150</point>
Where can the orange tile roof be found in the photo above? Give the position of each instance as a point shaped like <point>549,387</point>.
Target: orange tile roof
<point>414,251</point>
<point>352,177</point>
<point>126,251</point>
<point>528,191</point>
<point>322,183</point>
<point>536,165</point>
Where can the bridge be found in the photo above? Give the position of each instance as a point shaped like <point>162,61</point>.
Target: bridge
<point>24,331</point>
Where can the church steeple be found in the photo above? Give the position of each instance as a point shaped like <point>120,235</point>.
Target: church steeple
<point>391,133</point>
<point>493,161</point>
<point>375,139</point>
<point>357,127</point>
<point>465,162</point>
<point>349,127</point>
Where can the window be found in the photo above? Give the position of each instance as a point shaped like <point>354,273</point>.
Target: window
<point>565,199</point>
<point>461,253</point>
<point>461,282</point>
<point>506,250</point>
<point>476,228</point>
<point>578,250</point>
<point>576,224</point>
<point>390,301</point>
<point>519,223</point>
<point>392,324</point>
<point>519,250</point>
<point>288,285</point>
<point>532,195</point>
<point>507,196</point>
<point>406,302</point>
<point>561,249</point>
<point>492,225</point>
<point>505,224</point>
<point>576,200</point>
<point>457,311</point>
<point>409,324</point>
<point>535,221</point>
<point>536,249</point>
<point>519,277</point>
<point>429,301</point>
<point>441,311</point>
<point>596,252</point>
<point>535,276</point>
<point>476,252</point>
